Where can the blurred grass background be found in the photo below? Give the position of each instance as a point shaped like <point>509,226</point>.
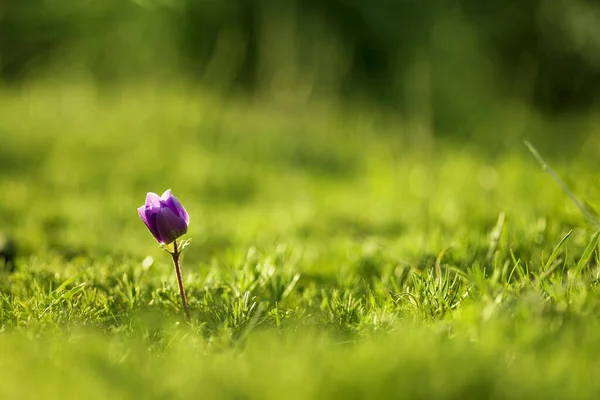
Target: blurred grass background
<point>248,102</point>
<point>457,68</point>
<point>336,157</point>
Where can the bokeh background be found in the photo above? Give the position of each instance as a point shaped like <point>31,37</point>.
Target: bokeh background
<point>350,167</point>
<point>285,118</point>
<point>461,68</point>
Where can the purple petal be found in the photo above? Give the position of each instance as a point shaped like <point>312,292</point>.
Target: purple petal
<point>142,214</point>
<point>175,206</point>
<point>152,200</point>
<point>148,216</point>
<point>169,225</point>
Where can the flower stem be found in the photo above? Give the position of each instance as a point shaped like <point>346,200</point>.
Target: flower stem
<point>177,264</point>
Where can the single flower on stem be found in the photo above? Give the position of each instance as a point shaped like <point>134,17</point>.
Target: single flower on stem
<point>167,220</point>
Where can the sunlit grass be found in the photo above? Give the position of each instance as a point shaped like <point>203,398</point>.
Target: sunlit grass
<point>331,256</point>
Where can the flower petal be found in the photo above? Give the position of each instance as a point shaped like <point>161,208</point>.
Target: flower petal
<point>175,206</point>
<point>142,214</point>
<point>148,217</point>
<point>152,200</point>
<point>169,225</point>
<point>166,195</point>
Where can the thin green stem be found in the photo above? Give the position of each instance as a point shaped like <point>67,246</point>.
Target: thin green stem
<point>177,264</point>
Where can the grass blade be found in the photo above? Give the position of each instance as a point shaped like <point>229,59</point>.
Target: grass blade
<point>548,268</point>
<point>584,210</point>
<point>587,254</point>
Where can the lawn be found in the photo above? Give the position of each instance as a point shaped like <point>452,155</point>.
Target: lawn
<point>334,253</point>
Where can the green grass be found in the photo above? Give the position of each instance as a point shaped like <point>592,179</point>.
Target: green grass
<point>331,255</point>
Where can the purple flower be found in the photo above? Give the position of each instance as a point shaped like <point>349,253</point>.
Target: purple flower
<point>164,216</point>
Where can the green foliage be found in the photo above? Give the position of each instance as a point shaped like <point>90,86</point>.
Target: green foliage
<point>329,257</point>
<point>451,61</point>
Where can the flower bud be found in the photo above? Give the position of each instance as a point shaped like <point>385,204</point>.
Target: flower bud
<point>164,216</point>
